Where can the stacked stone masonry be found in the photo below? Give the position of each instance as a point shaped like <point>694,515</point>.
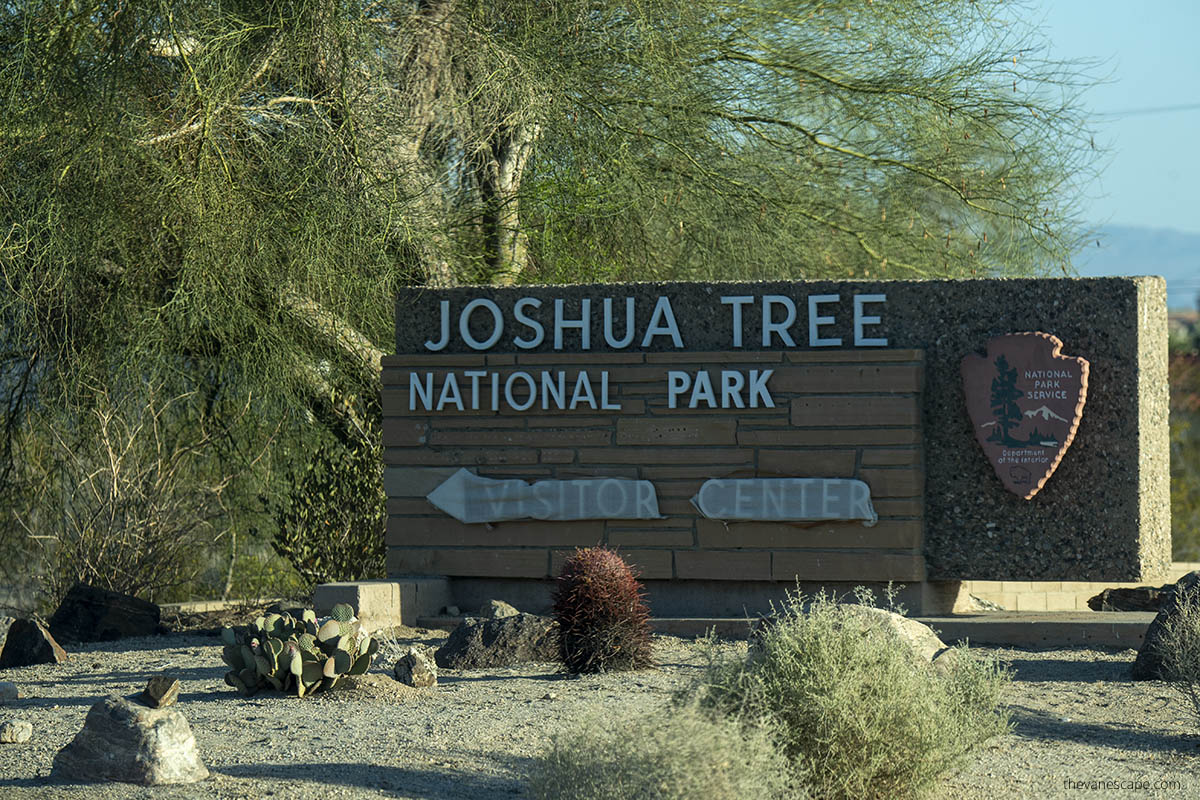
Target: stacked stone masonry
<point>837,414</point>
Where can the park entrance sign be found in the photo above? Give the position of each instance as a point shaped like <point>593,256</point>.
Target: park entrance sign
<point>732,439</point>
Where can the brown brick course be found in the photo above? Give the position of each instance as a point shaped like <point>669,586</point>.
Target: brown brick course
<point>469,562</point>
<point>818,565</point>
<point>847,380</point>
<point>853,356</point>
<point>526,438</point>
<point>723,565</point>
<point>889,458</point>
<point>894,482</point>
<point>848,437</point>
<point>807,463</point>
<point>680,432</point>
<point>449,532</point>
<point>648,564</point>
<point>885,534</point>
<point>855,411</point>
<point>666,537</point>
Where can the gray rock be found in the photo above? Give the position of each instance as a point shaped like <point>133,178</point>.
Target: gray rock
<point>1141,598</point>
<point>925,645</point>
<point>161,691</point>
<point>15,731</point>
<point>91,614</point>
<point>920,638</point>
<point>29,643</point>
<point>1148,666</point>
<point>500,642</point>
<point>8,692</point>
<point>416,668</point>
<point>497,609</point>
<point>452,611</point>
<point>121,741</point>
<point>982,604</point>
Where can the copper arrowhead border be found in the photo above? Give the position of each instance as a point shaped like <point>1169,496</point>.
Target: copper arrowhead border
<point>1025,366</point>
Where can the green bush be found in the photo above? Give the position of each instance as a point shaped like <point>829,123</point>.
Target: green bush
<point>670,754</point>
<point>332,527</point>
<point>859,716</point>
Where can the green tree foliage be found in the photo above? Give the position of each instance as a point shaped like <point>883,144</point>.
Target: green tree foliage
<point>1184,372</point>
<point>331,526</point>
<point>222,197</point>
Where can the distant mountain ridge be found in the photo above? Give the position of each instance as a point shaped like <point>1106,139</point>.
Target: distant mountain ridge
<point>1134,250</point>
<point>1045,413</point>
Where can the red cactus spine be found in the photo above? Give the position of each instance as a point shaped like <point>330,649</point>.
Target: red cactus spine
<point>603,621</point>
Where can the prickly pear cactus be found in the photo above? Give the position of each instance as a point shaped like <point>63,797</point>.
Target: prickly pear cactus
<point>296,656</point>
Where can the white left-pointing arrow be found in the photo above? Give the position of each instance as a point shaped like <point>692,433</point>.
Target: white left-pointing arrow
<point>470,498</point>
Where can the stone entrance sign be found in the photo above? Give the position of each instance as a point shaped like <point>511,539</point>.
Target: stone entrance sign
<point>733,439</point>
<point>1025,401</point>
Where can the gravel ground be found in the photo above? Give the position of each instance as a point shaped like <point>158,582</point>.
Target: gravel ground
<point>1077,717</point>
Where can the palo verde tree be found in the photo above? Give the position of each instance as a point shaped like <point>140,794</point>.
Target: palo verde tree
<point>218,198</point>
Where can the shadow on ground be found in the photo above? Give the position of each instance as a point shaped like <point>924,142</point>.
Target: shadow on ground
<point>428,782</point>
<point>1047,669</point>
<point>1036,724</point>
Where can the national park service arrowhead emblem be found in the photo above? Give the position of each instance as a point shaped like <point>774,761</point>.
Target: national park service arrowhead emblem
<point>1025,400</point>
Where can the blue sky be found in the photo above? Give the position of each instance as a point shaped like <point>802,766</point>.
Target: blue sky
<point>1152,60</point>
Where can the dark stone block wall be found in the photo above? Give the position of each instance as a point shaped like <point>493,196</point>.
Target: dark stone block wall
<point>1103,515</point>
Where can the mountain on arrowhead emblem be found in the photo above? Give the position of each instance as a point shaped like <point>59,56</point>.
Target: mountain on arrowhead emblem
<point>1025,400</point>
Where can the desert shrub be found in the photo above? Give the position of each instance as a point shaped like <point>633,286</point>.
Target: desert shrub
<point>118,493</point>
<point>603,621</point>
<point>859,716</point>
<point>331,526</point>
<point>1179,648</point>
<point>669,754</point>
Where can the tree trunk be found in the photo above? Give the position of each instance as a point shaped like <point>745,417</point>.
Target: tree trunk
<point>506,245</point>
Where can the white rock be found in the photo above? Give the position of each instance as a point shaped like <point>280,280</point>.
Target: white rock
<point>121,741</point>
<point>15,731</point>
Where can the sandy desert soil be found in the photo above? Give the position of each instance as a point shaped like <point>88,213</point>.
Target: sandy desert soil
<point>1077,718</point>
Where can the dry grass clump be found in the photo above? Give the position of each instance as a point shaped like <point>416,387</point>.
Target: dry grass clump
<point>858,716</point>
<point>680,753</point>
<point>1179,648</point>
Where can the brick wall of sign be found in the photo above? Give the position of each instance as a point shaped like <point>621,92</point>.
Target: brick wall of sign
<point>838,414</point>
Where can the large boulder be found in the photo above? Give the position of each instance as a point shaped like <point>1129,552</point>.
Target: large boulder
<point>1149,663</point>
<point>90,614</point>
<point>122,741</point>
<point>1140,598</point>
<point>924,644</point>
<point>29,643</point>
<point>500,642</point>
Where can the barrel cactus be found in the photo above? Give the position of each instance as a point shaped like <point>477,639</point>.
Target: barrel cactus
<point>603,621</point>
<point>297,656</point>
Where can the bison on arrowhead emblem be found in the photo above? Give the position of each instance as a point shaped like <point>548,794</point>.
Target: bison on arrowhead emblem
<point>1025,400</point>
